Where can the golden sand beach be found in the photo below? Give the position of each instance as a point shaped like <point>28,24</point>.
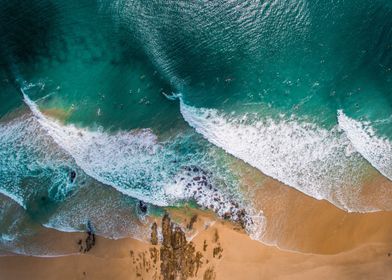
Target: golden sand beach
<point>341,245</point>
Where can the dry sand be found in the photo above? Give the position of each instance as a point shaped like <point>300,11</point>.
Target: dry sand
<point>236,257</point>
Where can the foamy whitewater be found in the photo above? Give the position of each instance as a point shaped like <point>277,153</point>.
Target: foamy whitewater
<point>113,160</point>
<point>26,152</point>
<point>135,164</point>
<point>321,163</point>
<point>377,150</point>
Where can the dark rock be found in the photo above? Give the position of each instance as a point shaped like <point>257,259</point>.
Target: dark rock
<point>209,274</point>
<point>179,259</point>
<point>89,242</point>
<point>72,176</point>
<point>241,218</point>
<point>154,234</point>
<point>227,216</point>
<point>192,221</point>
<point>166,230</point>
<point>178,239</point>
<point>142,207</point>
<point>217,252</point>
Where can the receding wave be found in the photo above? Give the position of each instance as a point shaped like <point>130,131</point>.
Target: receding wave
<point>120,160</point>
<point>318,162</point>
<point>136,164</point>
<point>28,162</point>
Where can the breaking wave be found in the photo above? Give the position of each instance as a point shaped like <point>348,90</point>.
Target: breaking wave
<point>321,163</point>
<point>377,150</point>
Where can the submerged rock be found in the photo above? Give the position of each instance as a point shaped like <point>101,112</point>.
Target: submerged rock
<point>72,176</point>
<point>90,240</point>
<point>143,207</point>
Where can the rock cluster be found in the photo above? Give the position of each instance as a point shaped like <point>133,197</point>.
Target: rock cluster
<point>89,242</point>
<point>191,222</point>
<point>154,234</point>
<point>179,259</point>
<point>198,185</point>
<point>172,257</point>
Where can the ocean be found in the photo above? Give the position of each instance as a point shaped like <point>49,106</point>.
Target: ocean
<point>111,111</point>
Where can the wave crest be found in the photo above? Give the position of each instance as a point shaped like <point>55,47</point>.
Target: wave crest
<point>318,162</point>
<point>377,150</point>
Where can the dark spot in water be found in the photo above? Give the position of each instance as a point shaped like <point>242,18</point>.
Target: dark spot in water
<point>142,206</point>
<point>72,176</point>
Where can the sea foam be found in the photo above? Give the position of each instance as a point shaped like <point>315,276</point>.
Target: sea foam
<point>26,155</point>
<point>120,160</point>
<point>133,162</point>
<point>376,149</point>
<point>136,164</point>
<point>319,162</point>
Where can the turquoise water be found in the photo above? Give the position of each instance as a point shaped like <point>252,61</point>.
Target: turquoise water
<point>104,104</point>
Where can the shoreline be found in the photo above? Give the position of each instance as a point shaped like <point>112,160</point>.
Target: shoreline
<point>239,258</point>
<point>222,249</point>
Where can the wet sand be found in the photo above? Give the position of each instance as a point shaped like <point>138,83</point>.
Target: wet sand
<point>312,239</point>
<point>297,222</point>
<point>227,253</point>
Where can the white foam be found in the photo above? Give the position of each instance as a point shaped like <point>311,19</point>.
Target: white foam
<point>121,160</point>
<point>22,156</point>
<point>377,150</point>
<point>318,162</point>
<point>133,162</point>
<point>137,165</point>
<point>195,183</point>
<point>14,196</point>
